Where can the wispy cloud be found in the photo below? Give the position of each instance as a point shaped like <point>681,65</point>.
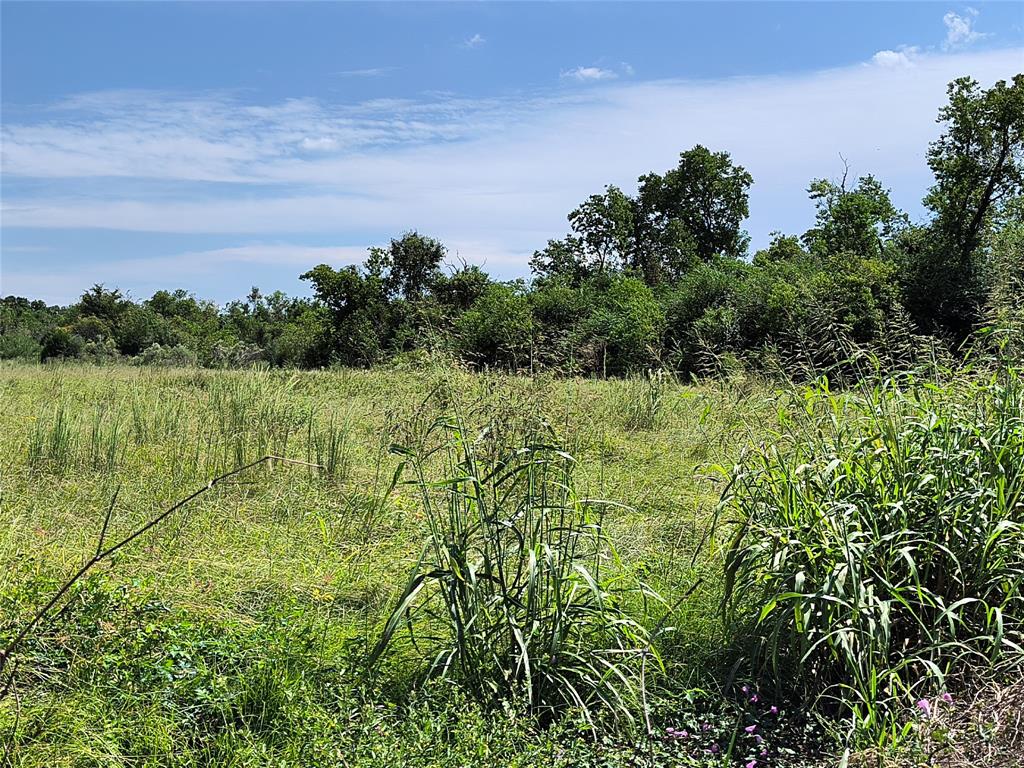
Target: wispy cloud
<point>368,72</point>
<point>217,138</point>
<point>589,74</point>
<point>960,30</point>
<point>319,143</point>
<point>475,41</point>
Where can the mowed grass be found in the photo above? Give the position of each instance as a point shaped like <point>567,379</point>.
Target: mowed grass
<point>236,632</point>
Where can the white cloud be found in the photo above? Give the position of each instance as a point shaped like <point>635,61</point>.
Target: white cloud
<point>493,179</point>
<point>319,143</point>
<point>475,41</point>
<point>368,72</point>
<point>960,29</point>
<point>627,69</point>
<point>904,57</point>
<point>589,74</point>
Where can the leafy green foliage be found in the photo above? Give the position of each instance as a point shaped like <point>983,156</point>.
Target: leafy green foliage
<point>519,580</point>
<point>497,329</point>
<point>880,544</point>
<point>695,210</point>
<point>860,221</point>
<point>657,278</point>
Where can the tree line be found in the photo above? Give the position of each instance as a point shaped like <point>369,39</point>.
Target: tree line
<point>660,278</point>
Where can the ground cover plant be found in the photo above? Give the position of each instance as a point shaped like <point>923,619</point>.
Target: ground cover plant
<point>481,569</point>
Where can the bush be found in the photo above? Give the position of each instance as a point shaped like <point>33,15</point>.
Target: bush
<point>59,344</point>
<point>498,328</point>
<point>177,356</point>
<point>628,326</point>
<point>517,595</point>
<point>880,545</point>
<point>237,355</point>
<point>19,345</point>
<point>100,352</point>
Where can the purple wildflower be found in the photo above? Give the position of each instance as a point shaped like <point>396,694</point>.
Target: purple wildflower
<point>774,710</point>
<point>925,706</point>
<point>750,728</point>
<point>946,698</point>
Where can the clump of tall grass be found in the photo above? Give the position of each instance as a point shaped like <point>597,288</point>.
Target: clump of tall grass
<point>880,542</point>
<point>518,594</point>
<point>327,447</point>
<point>52,439</point>
<point>645,400</point>
<point>105,440</point>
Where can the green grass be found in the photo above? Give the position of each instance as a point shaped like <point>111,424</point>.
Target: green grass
<point>480,570</point>
<point>880,544</point>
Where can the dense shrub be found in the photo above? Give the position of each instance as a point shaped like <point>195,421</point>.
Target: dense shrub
<point>498,328</point>
<point>626,326</point>
<point>880,546</point>
<point>59,344</point>
<point>177,356</point>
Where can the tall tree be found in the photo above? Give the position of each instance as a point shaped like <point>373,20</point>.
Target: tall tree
<point>357,313</point>
<point>859,221</point>
<point>694,211</point>
<point>603,239</point>
<point>408,266</point>
<point>605,226</point>
<point>978,161</point>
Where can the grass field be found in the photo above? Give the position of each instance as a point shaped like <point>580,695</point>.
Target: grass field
<point>619,608</point>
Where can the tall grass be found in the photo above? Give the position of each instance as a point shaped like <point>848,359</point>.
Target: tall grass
<point>518,593</point>
<point>879,546</point>
<point>52,439</point>
<point>645,400</point>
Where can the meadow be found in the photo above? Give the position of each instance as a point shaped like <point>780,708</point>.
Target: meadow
<point>445,568</point>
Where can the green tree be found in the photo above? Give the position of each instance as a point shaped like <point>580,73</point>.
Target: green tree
<point>59,344</point>
<point>603,239</point>
<point>782,248</point>
<point>627,326</point>
<point>408,267</point>
<point>605,227</point>
<point>978,163</point>
<point>357,312</point>
<point>562,260</point>
<point>693,211</point>
<point>859,221</point>
<point>498,328</point>
<point>103,303</point>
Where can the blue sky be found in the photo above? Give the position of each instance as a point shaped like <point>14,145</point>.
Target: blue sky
<point>218,146</point>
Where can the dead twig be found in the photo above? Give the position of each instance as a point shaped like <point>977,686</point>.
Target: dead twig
<point>102,554</point>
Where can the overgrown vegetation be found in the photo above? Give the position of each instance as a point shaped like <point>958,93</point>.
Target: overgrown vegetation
<point>809,553</point>
<point>448,551</point>
<point>662,278</point>
<point>880,546</point>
